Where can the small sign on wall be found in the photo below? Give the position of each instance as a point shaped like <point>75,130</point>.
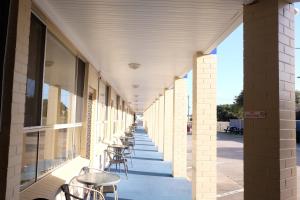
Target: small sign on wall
<point>255,114</point>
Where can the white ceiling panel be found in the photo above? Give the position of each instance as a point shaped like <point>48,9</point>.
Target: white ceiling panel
<point>161,35</point>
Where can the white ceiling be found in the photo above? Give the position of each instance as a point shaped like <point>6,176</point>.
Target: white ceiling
<point>161,35</point>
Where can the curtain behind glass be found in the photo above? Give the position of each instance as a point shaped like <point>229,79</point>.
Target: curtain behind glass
<point>59,103</point>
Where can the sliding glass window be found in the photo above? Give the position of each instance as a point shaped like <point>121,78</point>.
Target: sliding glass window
<point>35,73</point>
<point>32,116</point>
<point>59,84</point>
<point>54,104</point>
<point>80,76</point>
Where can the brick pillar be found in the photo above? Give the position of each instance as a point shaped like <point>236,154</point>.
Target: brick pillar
<point>150,122</point>
<point>161,124</point>
<point>153,121</point>
<point>146,121</point>
<point>204,146</point>
<point>269,84</point>
<point>156,117</point>
<point>168,125</point>
<point>179,128</point>
<point>13,96</point>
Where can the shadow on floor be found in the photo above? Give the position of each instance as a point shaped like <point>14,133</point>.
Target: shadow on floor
<point>142,173</point>
<point>145,150</point>
<point>112,198</point>
<point>142,158</point>
<point>149,173</point>
<point>143,141</point>
<point>145,145</point>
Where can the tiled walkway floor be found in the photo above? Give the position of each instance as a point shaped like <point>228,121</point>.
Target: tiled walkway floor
<point>150,177</point>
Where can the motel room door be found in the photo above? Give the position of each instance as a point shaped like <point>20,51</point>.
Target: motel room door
<point>91,111</point>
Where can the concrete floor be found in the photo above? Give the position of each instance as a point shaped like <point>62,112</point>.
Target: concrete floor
<point>150,178</point>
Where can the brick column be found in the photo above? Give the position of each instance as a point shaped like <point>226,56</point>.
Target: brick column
<point>153,121</point>
<point>179,128</point>
<point>146,120</point>
<point>161,114</point>
<point>11,135</point>
<point>269,84</point>
<point>150,122</point>
<point>204,150</point>
<point>168,125</point>
<point>156,117</point>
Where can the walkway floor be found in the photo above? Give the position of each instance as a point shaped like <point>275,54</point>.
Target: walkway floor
<point>150,177</point>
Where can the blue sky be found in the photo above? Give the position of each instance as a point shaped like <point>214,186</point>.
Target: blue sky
<point>230,65</point>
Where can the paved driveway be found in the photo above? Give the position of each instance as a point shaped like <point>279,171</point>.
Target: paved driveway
<point>230,182</point>
<point>230,166</point>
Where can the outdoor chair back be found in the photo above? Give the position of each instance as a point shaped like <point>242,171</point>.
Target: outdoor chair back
<point>75,192</point>
<point>116,159</point>
<point>103,189</point>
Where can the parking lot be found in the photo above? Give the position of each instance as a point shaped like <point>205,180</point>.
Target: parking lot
<point>230,166</point>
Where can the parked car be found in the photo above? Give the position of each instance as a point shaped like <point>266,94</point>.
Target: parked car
<point>234,130</point>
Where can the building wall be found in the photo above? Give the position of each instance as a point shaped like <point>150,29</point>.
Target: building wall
<point>18,100</point>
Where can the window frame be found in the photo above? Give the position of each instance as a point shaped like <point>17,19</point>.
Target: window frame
<point>41,73</point>
<point>42,128</point>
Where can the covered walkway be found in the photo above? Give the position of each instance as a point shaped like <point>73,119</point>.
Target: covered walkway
<point>151,177</point>
<point>75,75</point>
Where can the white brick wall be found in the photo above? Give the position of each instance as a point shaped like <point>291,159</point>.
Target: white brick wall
<point>179,128</point>
<point>161,124</point>
<point>204,148</point>
<point>156,122</point>
<point>168,127</point>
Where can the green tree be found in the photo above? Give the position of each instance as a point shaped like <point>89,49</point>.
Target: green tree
<point>226,112</point>
<point>239,100</point>
<point>297,97</point>
<point>231,111</point>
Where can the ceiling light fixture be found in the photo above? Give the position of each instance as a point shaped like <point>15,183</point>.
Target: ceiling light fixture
<point>248,2</point>
<point>49,63</point>
<point>134,65</point>
<point>296,11</point>
<point>135,86</point>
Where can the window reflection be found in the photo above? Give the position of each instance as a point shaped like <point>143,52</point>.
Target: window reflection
<point>29,157</point>
<point>34,82</point>
<point>76,147</point>
<point>55,147</point>
<point>59,84</point>
<point>54,93</point>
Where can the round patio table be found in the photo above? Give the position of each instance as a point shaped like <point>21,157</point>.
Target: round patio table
<point>99,179</point>
<point>118,146</point>
<point>126,138</point>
